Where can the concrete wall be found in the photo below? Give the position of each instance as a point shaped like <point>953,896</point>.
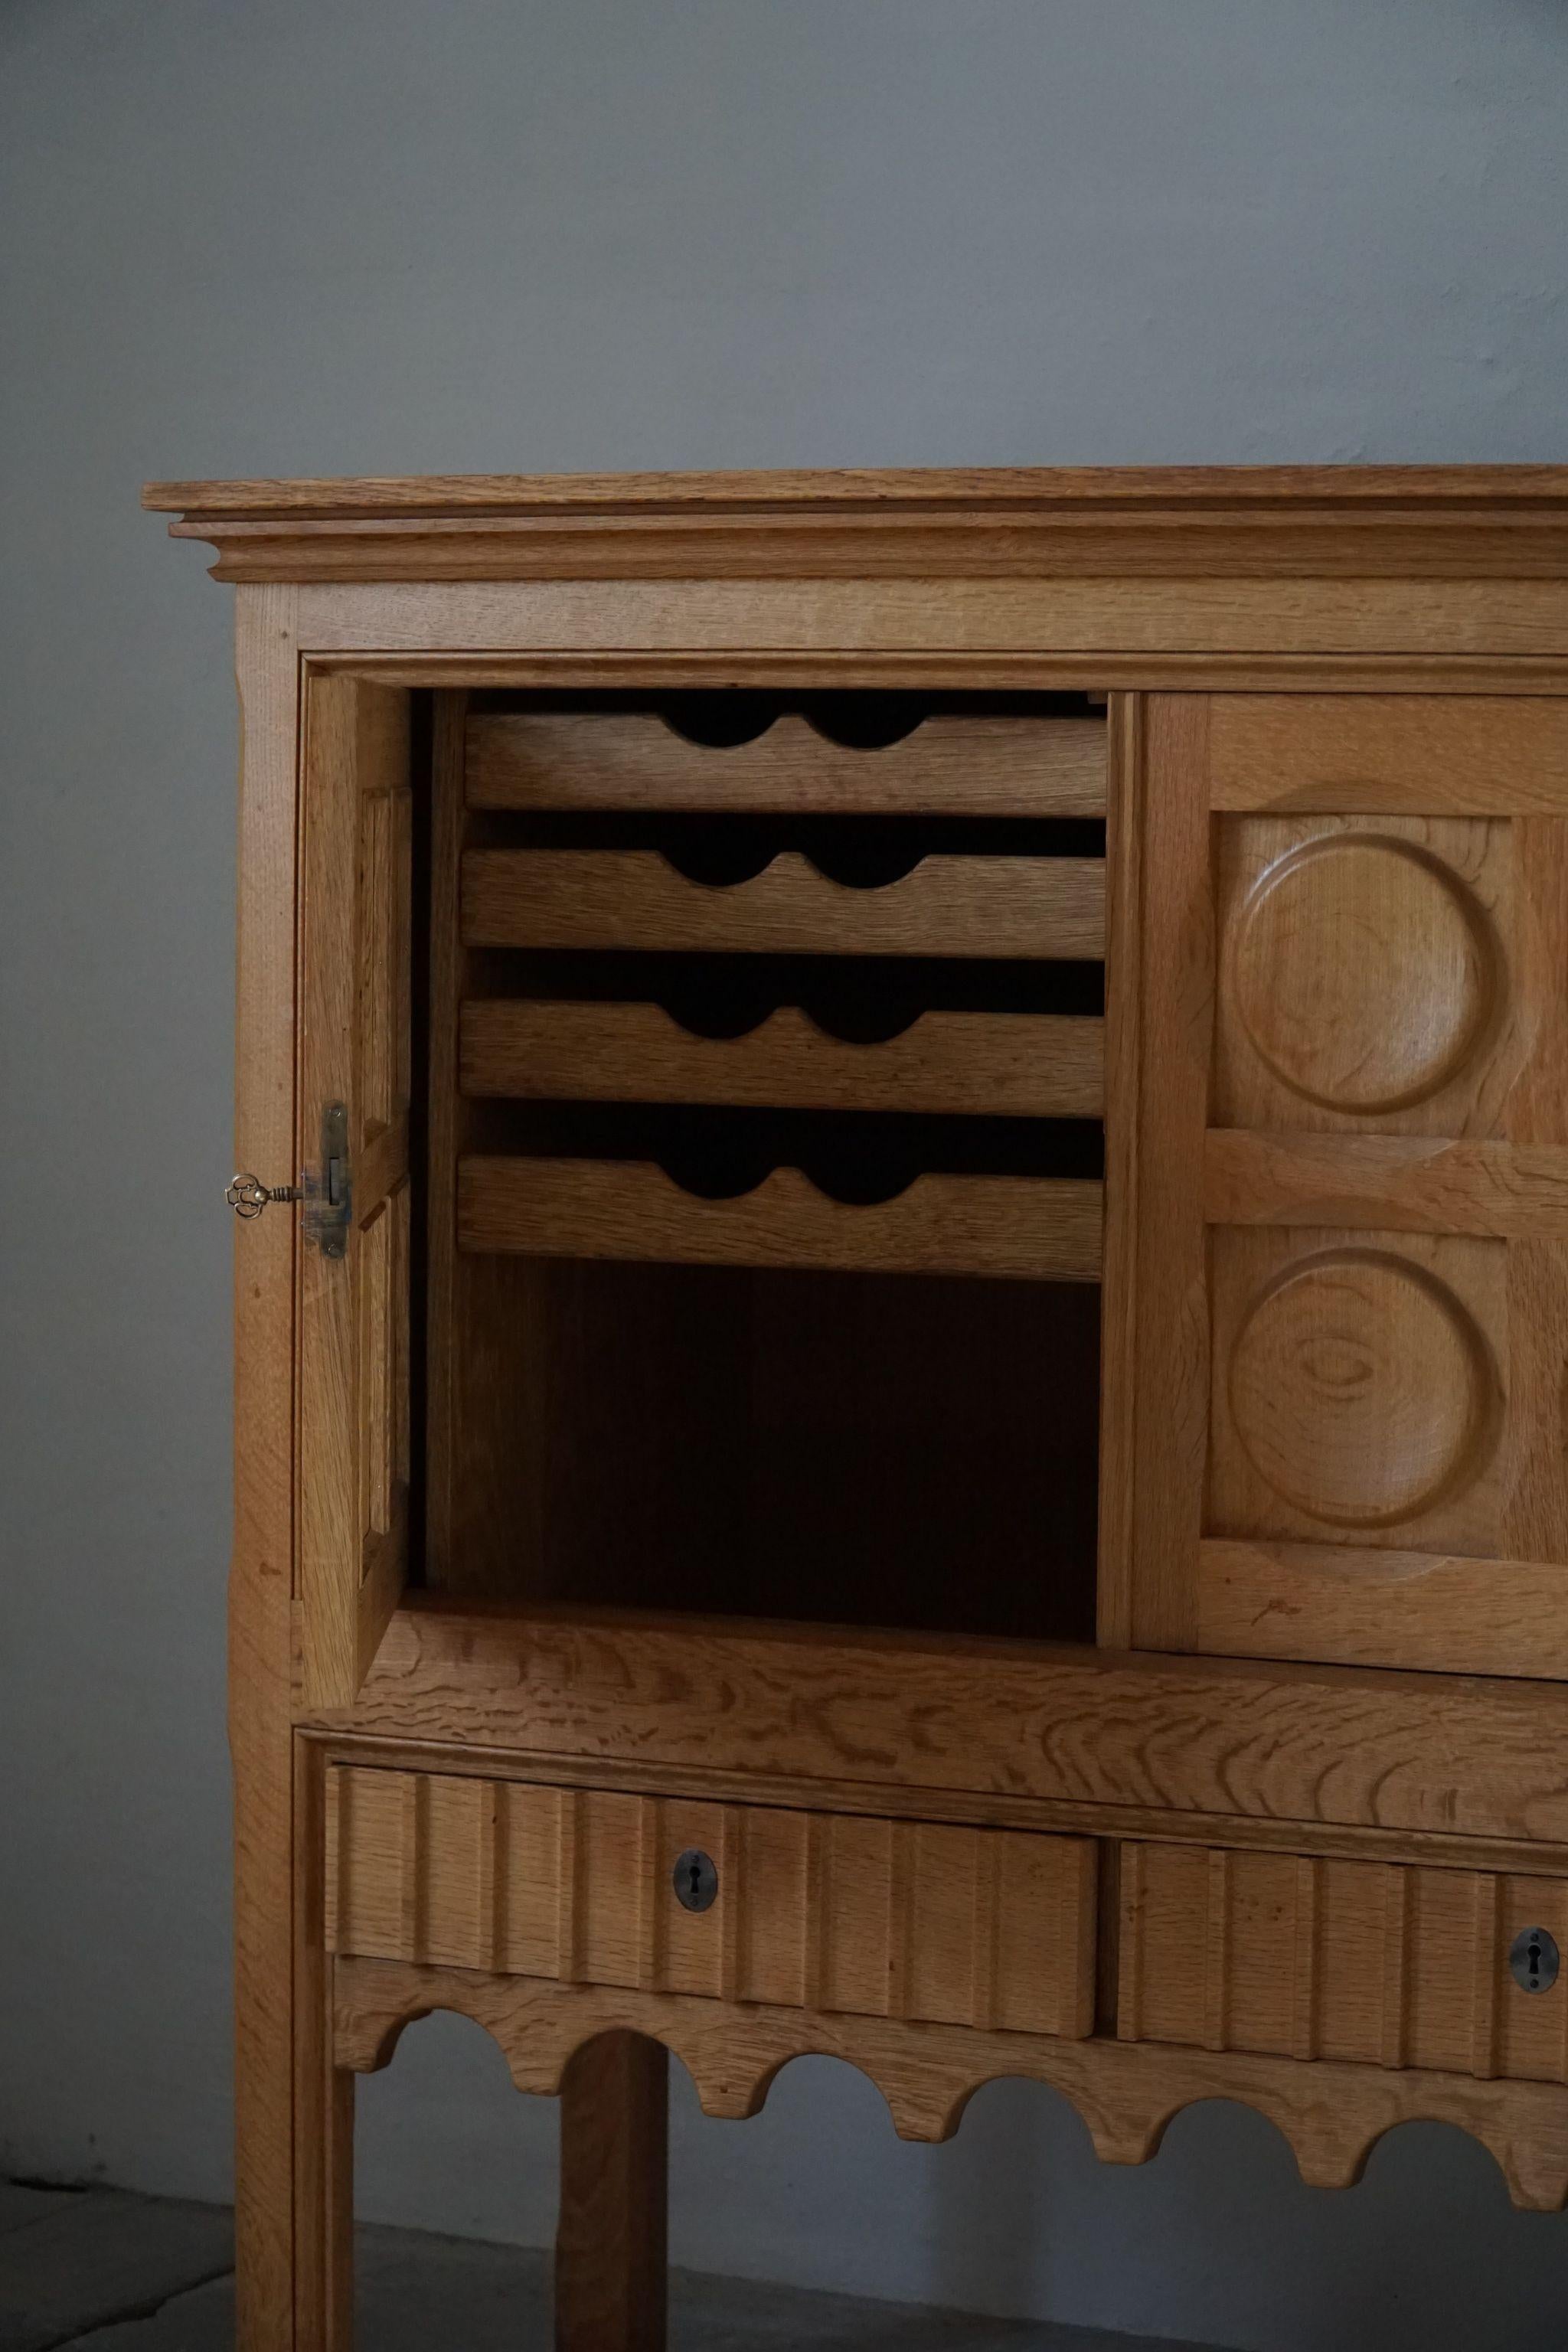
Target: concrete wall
<point>302,237</point>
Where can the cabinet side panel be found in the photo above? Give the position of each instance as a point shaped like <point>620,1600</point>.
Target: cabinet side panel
<point>260,1582</point>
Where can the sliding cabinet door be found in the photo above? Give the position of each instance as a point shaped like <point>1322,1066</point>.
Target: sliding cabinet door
<point>1341,941</point>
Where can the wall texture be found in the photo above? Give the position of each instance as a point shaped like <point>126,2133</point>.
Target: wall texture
<point>399,236</point>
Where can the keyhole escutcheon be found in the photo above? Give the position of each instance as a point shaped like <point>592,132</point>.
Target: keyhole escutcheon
<point>1532,1959</point>
<point>695,1879</point>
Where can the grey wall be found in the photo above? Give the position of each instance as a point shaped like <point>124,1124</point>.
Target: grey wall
<point>254,236</point>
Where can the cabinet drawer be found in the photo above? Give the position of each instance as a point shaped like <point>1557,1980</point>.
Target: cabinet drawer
<point>1383,1963</point>
<point>989,1928</point>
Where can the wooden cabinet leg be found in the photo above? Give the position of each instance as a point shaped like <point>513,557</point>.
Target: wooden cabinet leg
<point>610,2238</point>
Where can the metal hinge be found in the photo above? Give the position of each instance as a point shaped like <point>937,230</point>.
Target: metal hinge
<point>328,1195</point>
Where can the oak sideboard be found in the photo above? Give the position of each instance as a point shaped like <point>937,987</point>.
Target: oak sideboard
<point>901,1300</point>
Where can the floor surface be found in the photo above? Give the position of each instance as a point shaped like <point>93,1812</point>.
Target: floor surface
<point>97,2270</point>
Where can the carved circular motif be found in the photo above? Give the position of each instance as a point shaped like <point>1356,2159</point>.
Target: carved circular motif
<point>1362,1390</point>
<point>1363,972</point>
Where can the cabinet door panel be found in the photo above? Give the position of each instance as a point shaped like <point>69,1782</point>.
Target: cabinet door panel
<point>1354,1323</point>
<point>355,1103</point>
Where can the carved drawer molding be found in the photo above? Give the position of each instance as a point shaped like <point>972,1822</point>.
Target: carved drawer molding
<point>916,1920</point>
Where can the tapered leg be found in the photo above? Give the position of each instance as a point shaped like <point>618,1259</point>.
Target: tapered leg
<point>610,2241</point>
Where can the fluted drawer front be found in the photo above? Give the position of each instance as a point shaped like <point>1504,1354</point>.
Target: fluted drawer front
<point>1383,1963</point>
<point>983,1928</point>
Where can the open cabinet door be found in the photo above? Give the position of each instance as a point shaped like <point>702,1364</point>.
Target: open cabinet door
<point>353,1099</point>
<point>1348,1218</point>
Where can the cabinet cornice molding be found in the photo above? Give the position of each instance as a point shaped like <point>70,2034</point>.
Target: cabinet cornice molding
<point>1001,522</point>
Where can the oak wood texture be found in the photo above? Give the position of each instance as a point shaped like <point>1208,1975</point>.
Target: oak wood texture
<point>1331,2115</point>
<point>950,765</point>
<point>1381,1607</point>
<point>1525,489</point>
<point>1107,1824</point>
<point>448,1275</point>
<point>1374,1964</point>
<point>872,1917</point>
<point>1271,1740</point>
<point>323,2092</point>
<point>1389,755</point>
<point>634,899</point>
<point>1175,1027</point>
<point>276,2223</point>
<point>1408,1184</point>
<point>1013,634</point>
<point>354,1044</point>
<point>611,2292</point>
<point>1119,1306</point>
<point>1264,523</point>
<point>1041,1065</point>
<point>1032,1228</point>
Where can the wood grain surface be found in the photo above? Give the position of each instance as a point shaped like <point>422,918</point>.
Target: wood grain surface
<point>634,899</point>
<point>261,1575</point>
<point>611,2293</point>
<point>1039,1065</point>
<point>1032,1228</point>
<point>1447,1753</point>
<point>950,765</point>
<point>1489,756</point>
<point>1377,1607</point>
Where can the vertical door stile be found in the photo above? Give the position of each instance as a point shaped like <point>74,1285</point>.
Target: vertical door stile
<point>1171,1399</point>
<point>354,1102</point>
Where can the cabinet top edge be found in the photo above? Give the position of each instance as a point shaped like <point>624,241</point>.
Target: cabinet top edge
<point>993,490</point>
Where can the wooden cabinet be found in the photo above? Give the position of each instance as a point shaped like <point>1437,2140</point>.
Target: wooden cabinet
<point>913,1403</point>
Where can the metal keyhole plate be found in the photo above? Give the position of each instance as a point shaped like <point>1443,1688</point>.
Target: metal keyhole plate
<point>1532,1958</point>
<point>695,1879</point>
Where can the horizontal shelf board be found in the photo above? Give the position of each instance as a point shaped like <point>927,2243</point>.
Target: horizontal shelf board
<point>950,765</point>
<point>1396,1183</point>
<point>1269,1740</point>
<point>1028,1227</point>
<point>1029,1064</point>
<point>993,907</point>
<point>1360,1606</point>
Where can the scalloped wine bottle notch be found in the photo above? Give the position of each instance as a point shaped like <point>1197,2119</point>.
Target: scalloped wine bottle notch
<point>722,722</point>
<point>866,722</point>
